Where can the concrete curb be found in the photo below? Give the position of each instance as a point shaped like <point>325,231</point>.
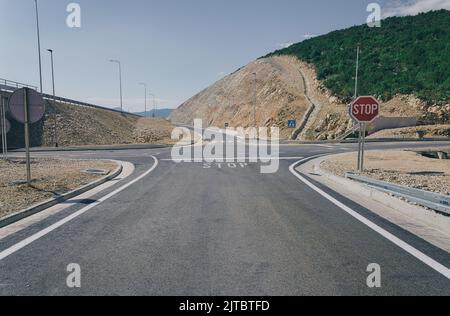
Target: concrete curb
<point>13,218</point>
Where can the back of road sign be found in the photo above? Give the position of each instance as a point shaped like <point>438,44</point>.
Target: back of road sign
<point>36,106</point>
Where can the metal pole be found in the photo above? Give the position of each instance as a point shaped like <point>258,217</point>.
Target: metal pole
<point>121,95</point>
<point>27,136</point>
<point>4,134</point>
<point>363,146</point>
<point>254,100</point>
<point>359,146</point>
<point>39,43</point>
<point>356,95</point>
<point>120,81</point>
<point>357,72</point>
<point>55,129</point>
<point>154,105</point>
<point>145,102</point>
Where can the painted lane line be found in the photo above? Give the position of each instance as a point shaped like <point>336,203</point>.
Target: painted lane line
<point>397,241</point>
<point>237,159</point>
<point>51,228</point>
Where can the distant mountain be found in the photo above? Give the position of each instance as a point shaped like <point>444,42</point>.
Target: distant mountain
<point>407,55</point>
<point>163,113</point>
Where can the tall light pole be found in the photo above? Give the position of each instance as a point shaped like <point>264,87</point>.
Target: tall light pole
<point>54,95</point>
<point>120,81</point>
<point>39,43</point>
<point>145,87</point>
<point>154,105</point>
<point>254,100</point>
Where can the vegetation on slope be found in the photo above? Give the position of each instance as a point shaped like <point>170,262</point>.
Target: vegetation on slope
<point>407,55</point>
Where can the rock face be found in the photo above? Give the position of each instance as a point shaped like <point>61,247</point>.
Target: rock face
<point>287,88</point>
<point>278,92</point>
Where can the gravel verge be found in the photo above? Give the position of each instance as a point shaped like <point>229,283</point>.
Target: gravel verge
<point>51,178</point>
<point>406,168</point>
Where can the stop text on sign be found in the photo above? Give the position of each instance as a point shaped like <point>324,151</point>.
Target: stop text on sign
<point>365,109</point>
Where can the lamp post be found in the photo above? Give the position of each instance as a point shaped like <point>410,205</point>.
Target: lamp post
<point>254,100</point>
<point>39,43</point>
<point>145,87</point>
<point>154,105</point>
<point>54,95</point>
<point>120,81</point>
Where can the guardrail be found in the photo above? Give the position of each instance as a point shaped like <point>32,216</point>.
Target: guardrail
<point>15,85</point>
<point>82,104</point>
<point>10,86</point>
<point>431,200</point>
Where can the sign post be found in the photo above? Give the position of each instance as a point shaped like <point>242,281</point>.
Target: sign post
<point>5,129</point>
<point>364,110</point>
<point>27,106</point>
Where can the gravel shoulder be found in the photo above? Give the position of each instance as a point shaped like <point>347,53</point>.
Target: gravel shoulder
<point>406,168</point>
<point>51,178</point>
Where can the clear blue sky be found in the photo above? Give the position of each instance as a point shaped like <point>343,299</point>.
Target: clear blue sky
<point>178,47</point>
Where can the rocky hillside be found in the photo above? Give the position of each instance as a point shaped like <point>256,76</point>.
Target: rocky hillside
<point>311,82</point>
<point>77,126</point>
<point>279,92</point>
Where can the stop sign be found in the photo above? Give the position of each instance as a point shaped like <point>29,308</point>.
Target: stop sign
<point>365,109</point>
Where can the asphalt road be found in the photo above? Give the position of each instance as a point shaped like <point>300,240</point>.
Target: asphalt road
<point>219,229</point>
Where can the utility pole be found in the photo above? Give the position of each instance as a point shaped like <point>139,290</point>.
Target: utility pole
<point>55,117</point>
<point>360,140</point>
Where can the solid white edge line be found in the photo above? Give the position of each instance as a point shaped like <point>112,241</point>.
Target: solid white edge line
<point>51,228</point>
<point>397,241</point>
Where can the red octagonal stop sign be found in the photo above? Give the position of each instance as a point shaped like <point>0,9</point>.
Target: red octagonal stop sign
<point>365,109</point>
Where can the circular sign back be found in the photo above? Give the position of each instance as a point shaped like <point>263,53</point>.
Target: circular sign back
<point>36,105</point>
<point>8,126</point>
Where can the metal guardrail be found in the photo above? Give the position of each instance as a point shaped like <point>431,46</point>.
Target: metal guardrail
<point>10,86</point>
<point>82,104</point>
<point>346,134</point>
<point>431,200</point>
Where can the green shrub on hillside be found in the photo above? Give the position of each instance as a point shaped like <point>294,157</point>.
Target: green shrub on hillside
<point>408,55</point>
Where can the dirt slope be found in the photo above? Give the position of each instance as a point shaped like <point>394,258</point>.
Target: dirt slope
<point>88,126</point>
<point>279,93</point>
<point>286,88</point>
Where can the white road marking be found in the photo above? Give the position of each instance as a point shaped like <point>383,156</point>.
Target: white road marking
<point>51,228</point>
<point>397,241</point>
<point>237,159</point>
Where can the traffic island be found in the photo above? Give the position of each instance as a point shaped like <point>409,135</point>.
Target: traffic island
<point>51,179</point>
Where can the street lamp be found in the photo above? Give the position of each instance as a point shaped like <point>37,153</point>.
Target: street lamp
<point>145,87</point>
<point>254,101</point>
<point>120,80</point>
<point>39,43</point>
<point>54,101</point>
<point>154,105</point>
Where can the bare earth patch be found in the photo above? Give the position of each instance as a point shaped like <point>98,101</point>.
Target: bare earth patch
<point>406,168</point>
<point>51,177</point>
